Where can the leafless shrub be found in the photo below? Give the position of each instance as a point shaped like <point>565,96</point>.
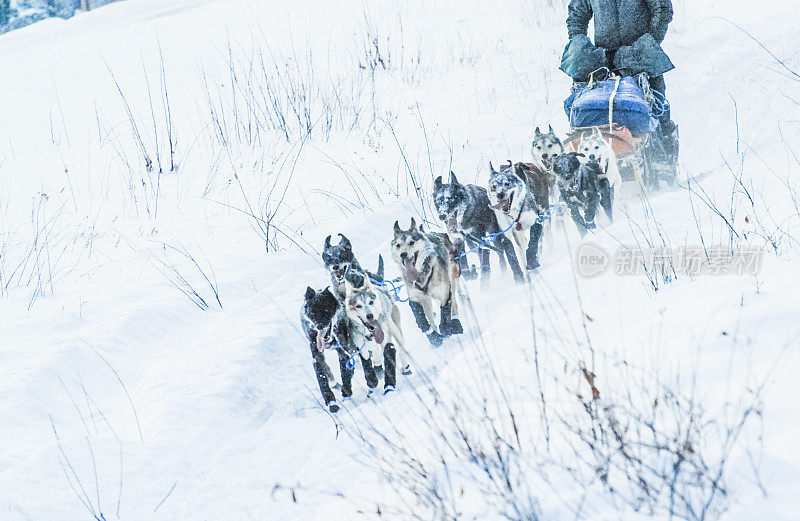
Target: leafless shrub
<point>152,136</point>
<point>573,437</point>
<point>268,92</point>
<point>177,262</point>
<point>650,237</point>
<point>40,253</point>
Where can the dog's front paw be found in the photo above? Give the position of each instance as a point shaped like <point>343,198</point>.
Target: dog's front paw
<point>590,225</point>
<point>333,406</point>
<point>454,327</point>
<point>470,273</point>
<point>435,338</point>
<point>388,389</point>
<point>532,264</point>
<point>347,392</point>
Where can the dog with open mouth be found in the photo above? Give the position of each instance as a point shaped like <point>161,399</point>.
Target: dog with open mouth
<point>513,194</point>
<point>430,272</point>
<point>464,208</point>
<point>376,326</point>
<point>340,260</point>
<point>327,326</point>
<point>583,186</point>
<point>545,148</point>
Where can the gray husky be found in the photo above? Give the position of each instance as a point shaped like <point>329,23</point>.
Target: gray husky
<point>545,148</point>
<point>465,210</point>
<point>519,196</point>
<point>430,273</point>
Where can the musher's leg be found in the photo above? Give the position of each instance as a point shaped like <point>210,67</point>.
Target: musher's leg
<point>668,128</point>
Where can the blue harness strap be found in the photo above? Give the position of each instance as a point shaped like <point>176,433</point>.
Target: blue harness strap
<point>395,288</point>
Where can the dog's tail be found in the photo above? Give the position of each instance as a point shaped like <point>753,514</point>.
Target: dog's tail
<point>378,275</point>
<point>380,267</point>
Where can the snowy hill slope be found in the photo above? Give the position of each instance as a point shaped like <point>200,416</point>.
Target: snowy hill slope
<point>151,359</point>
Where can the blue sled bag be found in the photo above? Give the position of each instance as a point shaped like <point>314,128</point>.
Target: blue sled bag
<point>590,107</point>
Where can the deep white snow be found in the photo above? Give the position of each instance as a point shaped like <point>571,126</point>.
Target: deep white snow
<point>121,398</point>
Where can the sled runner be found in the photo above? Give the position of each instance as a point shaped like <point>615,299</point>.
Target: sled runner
<point>624,113</point>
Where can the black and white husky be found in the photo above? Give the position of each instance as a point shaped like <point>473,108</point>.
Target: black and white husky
<point>464,208</point>
<point>326,326</point>
<point>583,186</point>
<point>376,326</point>
<point>430,273</point>
<point>513,197</point>
<point>340,260</point>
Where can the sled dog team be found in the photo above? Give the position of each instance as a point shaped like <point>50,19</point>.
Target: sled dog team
<point>358,315</point>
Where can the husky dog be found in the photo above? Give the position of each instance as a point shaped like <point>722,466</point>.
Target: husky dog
<point>465,210</point>
<point>339,261</point>
<point>595,148</point>
<point>376,326</point>
<point>430,273</point>
<point>326,327</point>
<point>520,203</point>
<point>583,186</point>
<point>545,148</point>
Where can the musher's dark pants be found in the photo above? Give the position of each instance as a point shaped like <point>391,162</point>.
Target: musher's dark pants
<point>658,85</point>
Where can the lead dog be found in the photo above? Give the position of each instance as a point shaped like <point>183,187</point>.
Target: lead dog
<point>327,327</point>
<point>376,326</point>
<point>465,210</point>
<point>339,260</point>
<point>430,273</point>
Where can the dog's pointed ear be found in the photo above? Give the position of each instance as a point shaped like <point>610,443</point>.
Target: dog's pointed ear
<point>327,242</point>
<point>510,164</point>
<point>537,132</point>
<point>550,129</point>
<point>397,229</point>
<point>310,293</point>
<point>437,183</point>
<point>491,168</point>
<point>345,242</point>
<point>453,178</point>
<point>380,268</point>
<point>413,225</point>
<point>596,132</point>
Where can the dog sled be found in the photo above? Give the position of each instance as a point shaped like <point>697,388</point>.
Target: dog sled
<point>624,110</point>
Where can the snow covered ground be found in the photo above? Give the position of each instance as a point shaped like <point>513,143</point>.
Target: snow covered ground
<point>151,361</point>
